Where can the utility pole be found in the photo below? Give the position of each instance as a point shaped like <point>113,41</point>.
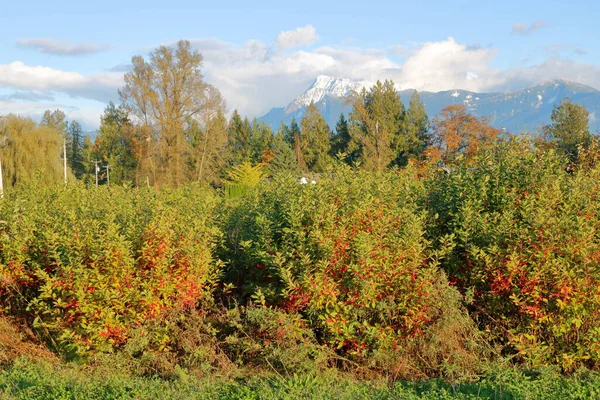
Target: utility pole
<point>65,159</point>
<point>107,175</point>
<point>97,170</point>
<point>1,182</point>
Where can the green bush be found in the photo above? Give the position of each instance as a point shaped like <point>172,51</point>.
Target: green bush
<point>526,250</point>
<point>349,253</point>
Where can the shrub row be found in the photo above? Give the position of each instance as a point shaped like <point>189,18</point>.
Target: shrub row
<point>415,274</point>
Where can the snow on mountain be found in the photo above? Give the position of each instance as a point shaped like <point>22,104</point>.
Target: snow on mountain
<point>322,87</point>
<point>524,110</point>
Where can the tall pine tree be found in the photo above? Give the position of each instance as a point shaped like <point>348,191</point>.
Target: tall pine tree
<point>239,133</point>
<point>315,143</point>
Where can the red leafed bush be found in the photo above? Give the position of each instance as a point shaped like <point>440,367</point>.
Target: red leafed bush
<point>349,253</point>
<point>90,266</point>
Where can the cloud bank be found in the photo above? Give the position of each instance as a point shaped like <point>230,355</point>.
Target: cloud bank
<point>57,48</point>
<point>255,76</point>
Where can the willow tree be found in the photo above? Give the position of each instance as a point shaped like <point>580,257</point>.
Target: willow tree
<point>377,123</point>
<point>167,95</point>
<point>29,151</point>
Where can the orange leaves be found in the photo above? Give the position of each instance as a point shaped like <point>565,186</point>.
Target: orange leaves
<point>456,132</point>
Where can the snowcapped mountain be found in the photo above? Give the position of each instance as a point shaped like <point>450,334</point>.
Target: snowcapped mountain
<point>521,111</point>
<point>327,93</point>
<point>324,86</point>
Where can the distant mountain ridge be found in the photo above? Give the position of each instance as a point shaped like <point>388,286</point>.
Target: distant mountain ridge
<point>521,111</point>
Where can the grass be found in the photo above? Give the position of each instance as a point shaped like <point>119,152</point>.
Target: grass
<point>29,380</point>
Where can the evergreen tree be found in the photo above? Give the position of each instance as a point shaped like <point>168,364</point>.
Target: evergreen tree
<point>261,142</point>
<point>290,132</point>
<point>314,143</point>
<point>239,133</point>
<point>75,148</point>
<point>570,128</point>
<point>114,144</point>
<point>284,159</point>
<point>416,127</point>
<point>340,140</point>
<point>377,126</point>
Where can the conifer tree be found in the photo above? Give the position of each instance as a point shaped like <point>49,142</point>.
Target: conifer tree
<point>239,133</point>
<point>261,142</point>
<point>416,127</point>
<point>340,139</point>
<point>314,143</point>
<point>284,159</point>
<point>75,148</point>
<point>114,144</point>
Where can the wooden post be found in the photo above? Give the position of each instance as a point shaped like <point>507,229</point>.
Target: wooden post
<point>1,182</point>
<point>65,159</point>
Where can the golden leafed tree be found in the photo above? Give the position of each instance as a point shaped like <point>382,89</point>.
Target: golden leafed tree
<point>454,132</point>
<point>168,100</point>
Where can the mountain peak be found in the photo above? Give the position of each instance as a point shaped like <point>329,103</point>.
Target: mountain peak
<point>322,87</point>
<point>559,82</point>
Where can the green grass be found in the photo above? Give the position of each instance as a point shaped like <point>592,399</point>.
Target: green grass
<point>25,380</point>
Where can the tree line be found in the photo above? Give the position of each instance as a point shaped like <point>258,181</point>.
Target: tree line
<point>171,129</point>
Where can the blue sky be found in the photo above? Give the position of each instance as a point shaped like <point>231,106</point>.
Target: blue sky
<point>72,54</point>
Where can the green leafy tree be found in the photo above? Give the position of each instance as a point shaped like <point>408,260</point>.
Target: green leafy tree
<point>314,144</point>
<point>377,126</point>
<point>570,128</point>
<point>56,120</point>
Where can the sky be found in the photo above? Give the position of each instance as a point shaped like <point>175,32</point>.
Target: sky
<point>72,55</point>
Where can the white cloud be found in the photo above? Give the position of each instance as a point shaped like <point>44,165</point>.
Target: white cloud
<point>524,29</point>
<point>302,36</point>
<point>55,47</point>
<point>255,76</point>
<point>88,117</point>
<point>101,86</point>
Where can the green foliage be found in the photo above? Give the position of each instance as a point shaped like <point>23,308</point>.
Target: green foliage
<point>377,126</point>
<point>247,174</point>
<point>349,254</point>
<point>38,381</point>
<point>30,152</point>
<point>524,233</point>
<point>314,142</point>
<point>115,146</point>
<point>88,266</point>
<point>570,128</point>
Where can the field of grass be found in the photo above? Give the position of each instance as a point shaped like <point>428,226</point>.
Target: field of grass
<point>27,380</point>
